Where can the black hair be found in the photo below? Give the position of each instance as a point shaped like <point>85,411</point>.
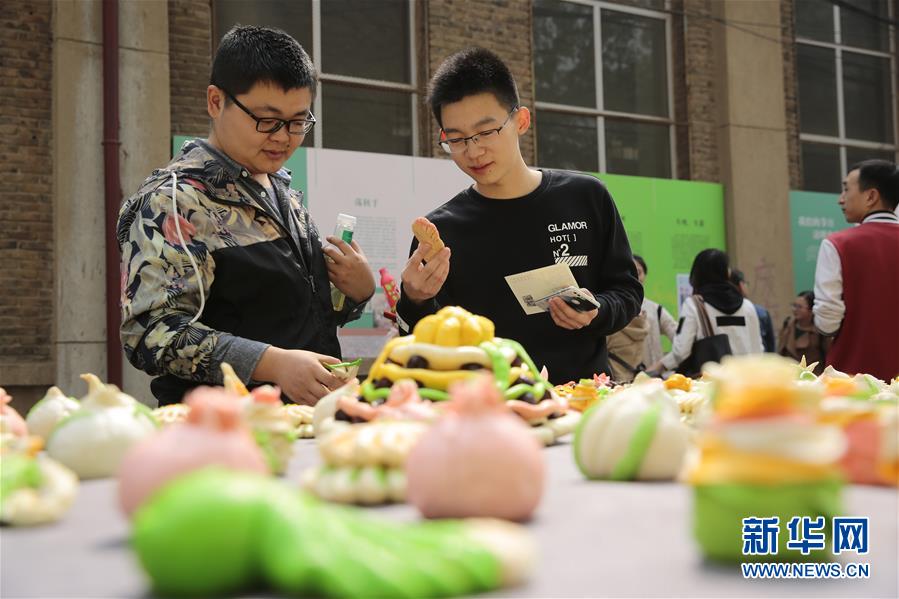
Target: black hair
<point>809,297</point>
<point>737,277</point>
<point>709,266</point>
<point>642,263</point>
<point>881,175</point>
<point>248,55</point>
<point>469,72</point>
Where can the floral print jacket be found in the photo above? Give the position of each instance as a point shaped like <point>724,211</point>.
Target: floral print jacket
<point>256,279</point>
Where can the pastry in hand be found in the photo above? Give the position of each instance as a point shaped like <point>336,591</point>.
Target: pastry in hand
<point>426,232</point>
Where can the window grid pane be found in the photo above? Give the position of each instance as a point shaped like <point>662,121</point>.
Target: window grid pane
<point>634,61</point>
<point>814,20</point>
<point>821,170</point>
<point>634,64</point>
<point>637,149</point>
<point>817,90</point>
<point>566,141</point>
<point>564,53</point>
<point>867,97</point>
<point>863,31</point>
<point>856,155</point>
<point>293,17</point>
<point>363,38</point>
<point>366,120</point>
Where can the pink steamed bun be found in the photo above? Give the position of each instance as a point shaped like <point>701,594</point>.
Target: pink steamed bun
<point>213,435</point>
<point>478,460</point>
<point>13,423</point>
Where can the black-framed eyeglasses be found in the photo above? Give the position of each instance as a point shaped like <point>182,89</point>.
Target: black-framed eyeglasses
<point>457,145</point>
<point>273,125</point>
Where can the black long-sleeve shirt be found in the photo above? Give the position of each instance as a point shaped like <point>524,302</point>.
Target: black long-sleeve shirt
<point>570,218</point>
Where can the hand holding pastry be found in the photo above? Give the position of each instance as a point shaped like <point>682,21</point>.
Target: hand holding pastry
<point>428,267</point>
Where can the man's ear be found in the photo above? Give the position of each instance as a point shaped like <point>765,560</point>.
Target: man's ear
<point>873,200</point>
<point>522,119</point>
<point>215,101</point>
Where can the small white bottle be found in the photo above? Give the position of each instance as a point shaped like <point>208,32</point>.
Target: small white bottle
<point>346,224</point>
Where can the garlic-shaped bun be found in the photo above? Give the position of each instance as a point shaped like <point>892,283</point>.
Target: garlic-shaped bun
<point>50,411</point>
<point>94,440</point>
<point>636,434</point>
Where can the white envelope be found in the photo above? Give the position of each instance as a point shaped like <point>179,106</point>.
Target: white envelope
<point>534,285</point>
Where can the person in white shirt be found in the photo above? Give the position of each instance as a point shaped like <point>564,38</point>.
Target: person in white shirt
<point>659,319</point>
<point>857,275</point>
<point>729,312</point>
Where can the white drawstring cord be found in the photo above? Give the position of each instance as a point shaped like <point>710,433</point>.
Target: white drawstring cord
<point>184,245</point>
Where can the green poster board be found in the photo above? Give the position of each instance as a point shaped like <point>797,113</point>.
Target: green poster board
<point>813,216</point>
<point>668,222</point>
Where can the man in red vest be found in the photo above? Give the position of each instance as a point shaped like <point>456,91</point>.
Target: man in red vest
<point>857,275</point>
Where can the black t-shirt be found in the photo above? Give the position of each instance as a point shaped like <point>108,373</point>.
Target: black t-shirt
<point>570,218</point>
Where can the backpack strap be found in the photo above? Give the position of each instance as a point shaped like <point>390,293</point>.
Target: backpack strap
<point>704,321</point>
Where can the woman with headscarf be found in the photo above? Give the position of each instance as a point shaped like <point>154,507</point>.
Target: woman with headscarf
<point>729,312</point>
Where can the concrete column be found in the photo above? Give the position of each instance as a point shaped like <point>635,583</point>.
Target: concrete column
<point>144,113</point>
<point>752,141</point>
<point>78,165</point>
<point>78,192</point>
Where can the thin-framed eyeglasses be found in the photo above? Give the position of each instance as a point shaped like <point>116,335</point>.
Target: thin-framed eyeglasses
<point>273,125</point>
<point>457,145</point>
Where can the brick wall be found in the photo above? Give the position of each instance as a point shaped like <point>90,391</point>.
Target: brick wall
<point>701,110</point>
<point>190,56</point>
<point>791,91</point>
<point>503,26</point>
<point>26,200</point>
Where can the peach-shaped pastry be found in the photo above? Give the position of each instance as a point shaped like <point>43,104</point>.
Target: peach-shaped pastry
<point>212,435</point>
<point>478,460</point>
<point>10,421</point>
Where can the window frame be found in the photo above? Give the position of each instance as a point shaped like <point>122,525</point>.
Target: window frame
<point>840,140</point>
<point>600,113</point>
<point>361,82</point>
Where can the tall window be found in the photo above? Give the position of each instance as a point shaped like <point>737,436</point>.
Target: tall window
<point>364,51</point>
<point>845,56</point>
<point>603,86</point>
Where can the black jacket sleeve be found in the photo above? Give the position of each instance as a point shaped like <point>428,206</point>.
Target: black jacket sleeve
<point>619,291</point>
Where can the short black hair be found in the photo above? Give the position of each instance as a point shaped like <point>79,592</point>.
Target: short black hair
<point>737,277</point>
<point>881,175</point>
<point>467,73</point>
<point>809,297</point>
<point>642,263</point>
<point>248,55</point>
<point>709,266</point>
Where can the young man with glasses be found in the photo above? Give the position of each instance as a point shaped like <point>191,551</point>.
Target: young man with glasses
<point>220,261</point>
<point>514,219</point>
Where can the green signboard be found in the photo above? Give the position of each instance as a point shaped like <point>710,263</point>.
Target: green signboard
<point>813,216</point>
<point>668,222</point>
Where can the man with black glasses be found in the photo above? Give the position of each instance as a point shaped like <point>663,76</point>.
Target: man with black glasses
<point>220,261</point>
<point>514,219</point>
